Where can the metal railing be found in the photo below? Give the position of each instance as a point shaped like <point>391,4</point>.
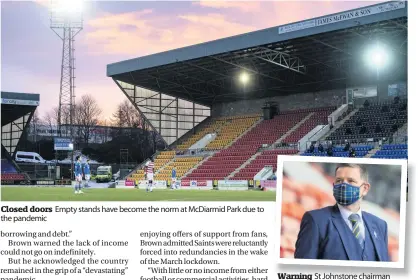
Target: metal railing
<point>284,145</point>
<point>322,129</point>
<point>48,171</point>
<point>326,143</point>
<point>195,152</point>
<point>43,171</point>
<point>375,142</point>
<point>280,146</point>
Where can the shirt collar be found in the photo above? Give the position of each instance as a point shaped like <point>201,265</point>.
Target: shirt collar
<point>345,213</point>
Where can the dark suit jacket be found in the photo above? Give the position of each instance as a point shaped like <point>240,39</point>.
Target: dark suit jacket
<point>325,235</point>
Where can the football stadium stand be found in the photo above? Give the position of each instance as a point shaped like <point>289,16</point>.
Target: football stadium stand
<point>163,158</point>
<point>209,128</point>
<point>7,167</point>
<point>17,110</point>
<point>293,97</point>
<point>223,163</point>
<point>181,164</point>
<point>9,172</point>
<point>374,121</point>
<point>338,151</point>
<point>319,116</point>
<point>392,151</point>
<point>305,84</point>
<point>233,127</point>
<point>266,158</point>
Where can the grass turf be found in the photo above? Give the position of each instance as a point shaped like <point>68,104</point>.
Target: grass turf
<point>110,194</point>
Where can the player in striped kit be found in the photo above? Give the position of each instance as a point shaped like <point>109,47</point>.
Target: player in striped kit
<point>150,175</point>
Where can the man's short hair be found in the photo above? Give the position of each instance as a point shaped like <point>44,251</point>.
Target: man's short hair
<point>363,171</point>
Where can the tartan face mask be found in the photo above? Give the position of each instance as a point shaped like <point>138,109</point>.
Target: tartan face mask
<point>346,194</point>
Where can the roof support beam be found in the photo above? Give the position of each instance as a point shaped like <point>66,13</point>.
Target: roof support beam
<point>146,98</point>
<point>399,24</point>
<point>199,81</point>
<point>206,69</point>
<point>132,99</point>
<point>180,85</point>
<point>281,59</point>
<point>331,46</point>
<point>380,41</point>
<point>247,69</point>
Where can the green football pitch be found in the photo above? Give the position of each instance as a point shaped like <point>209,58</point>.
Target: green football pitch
<point>112,194</point>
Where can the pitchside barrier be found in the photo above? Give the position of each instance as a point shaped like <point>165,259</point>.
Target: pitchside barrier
<point>52,183</point>
<point>44,182</point>
<point>121,184</point>
<point>142,184</point>
<point>238,185</point>
<point>40,184</point>
<point>7,182</point>
<point>268,185</point>
<point>241,185</point>
<point>64,182</point>
<point>197,185</point>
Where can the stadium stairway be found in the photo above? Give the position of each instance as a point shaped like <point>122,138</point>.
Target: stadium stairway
<point>338,124</point>
<point>182,165</point>
<point>202,125</point>
<point>214,167</point>
<point>253,157</point>
<point>267,157</point>
<point>226,147</point>
<point>254,164</point>
<point>399,135</point>
<point>284,136</point>
<point>209,127</point>
<point>372,152</point>
<point>196,166</point>
<point>162,158</point>
<point>290,131</point>
<point>234,128</point>
<point>244,133</point>
<point>165,165</point>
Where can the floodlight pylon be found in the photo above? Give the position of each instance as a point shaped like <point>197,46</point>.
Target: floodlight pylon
<point>66,25</point>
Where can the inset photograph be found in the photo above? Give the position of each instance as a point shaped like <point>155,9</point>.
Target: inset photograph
<point>341,211</point>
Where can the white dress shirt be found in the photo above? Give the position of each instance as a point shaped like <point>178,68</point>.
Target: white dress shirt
<point>345,213</point>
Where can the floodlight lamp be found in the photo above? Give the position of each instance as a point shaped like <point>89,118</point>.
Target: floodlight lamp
<point>67,7</point>
<point>244,78</point>
<point>377,57</point>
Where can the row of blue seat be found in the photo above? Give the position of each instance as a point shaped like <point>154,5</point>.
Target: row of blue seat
<point>356,148</point>
<point>395,147</point>
<point>392,152</point>
<point>341,148</point>
<point>391,156</point>
<point>337,154</point>
<point>334,155</point>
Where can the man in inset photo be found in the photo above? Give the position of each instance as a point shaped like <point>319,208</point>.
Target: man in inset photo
<point>344,231</point>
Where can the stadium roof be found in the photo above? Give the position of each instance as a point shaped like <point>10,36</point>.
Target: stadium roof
<point>15,105</point>
<point>316,54</point>
<point>16,112</point>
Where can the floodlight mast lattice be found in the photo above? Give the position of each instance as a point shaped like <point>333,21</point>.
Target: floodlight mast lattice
<point>66,20</point>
